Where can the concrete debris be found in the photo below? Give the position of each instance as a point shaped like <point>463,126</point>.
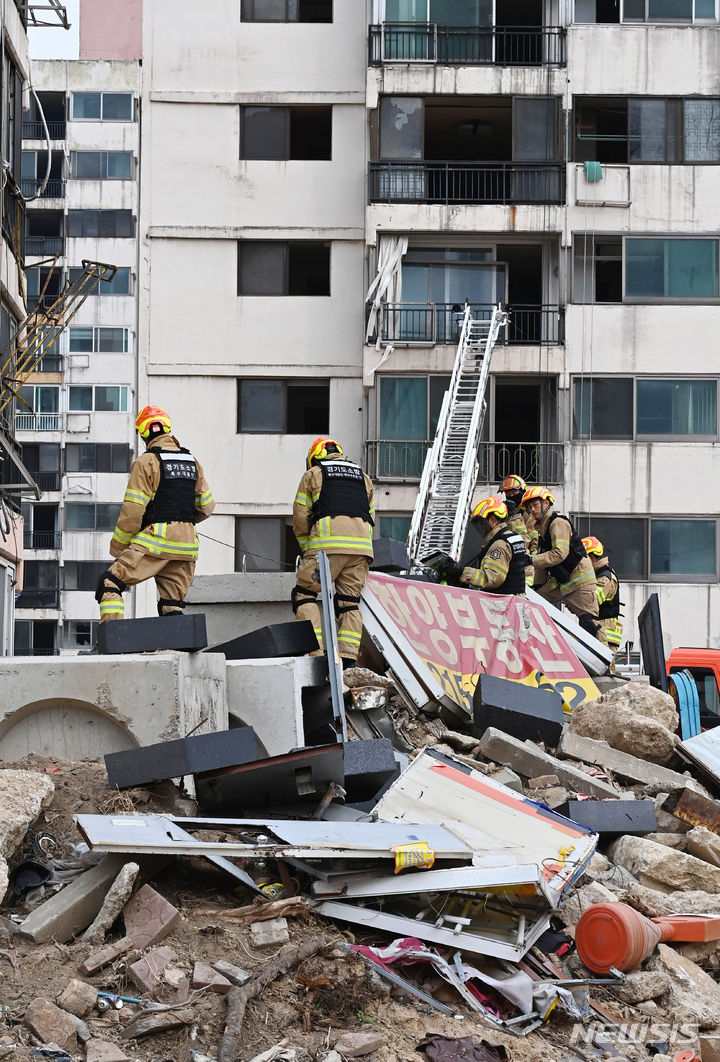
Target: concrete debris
<point>705,953</point>
<point>643,700</point>
<point>23,796</point>
<point>582,898</point>
<point>78,997</point>
<point>663,868</point>
<point>704,844</point>
<point>270,931</point>
<point>51,1024</point>
<point>235,974</point>
<point>205,976</point>
<point>528,760</point>
<point>147,1024</point>
<point>146,973</point>
<point>149,917</point>
<point>355,1045</point>
<point>117,896</point>
<point>615,721</point>
<point>690,987</point>
<point>97,1050</point>
<point>554,798</point>
<point>589,750</point>
<point>654,903</point>
<point>641,985</point>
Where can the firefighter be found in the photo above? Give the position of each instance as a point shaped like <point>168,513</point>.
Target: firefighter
<point>519,520</point>
<point>333,511</point>
<point>499,567</point>
<point>155,537</point>
<point>607,591</point>
<point>563,571</point>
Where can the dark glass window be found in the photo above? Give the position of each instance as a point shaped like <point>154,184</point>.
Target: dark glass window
<point>603,408</point>
<point>292,407</point>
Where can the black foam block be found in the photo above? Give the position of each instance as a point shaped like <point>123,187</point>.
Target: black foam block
<point>612,816</point>
<point>278,639</point>
<point>516,709</point>
<point>187,634</point>
<point>297,777</point>
<point>390,556</point>
<point>174,759</point>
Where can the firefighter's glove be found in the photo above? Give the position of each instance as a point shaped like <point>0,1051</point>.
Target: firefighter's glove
<point>449,571</point>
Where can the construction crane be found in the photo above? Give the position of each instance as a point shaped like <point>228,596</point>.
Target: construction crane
<point>35,336</point>
<point>442,509</point>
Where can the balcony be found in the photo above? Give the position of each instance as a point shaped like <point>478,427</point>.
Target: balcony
<point>35,130</point>
<point>41,539</point>
<point>50,363</point>
<point>47,480</point>
<point>39,598</point>
<point>402,460</point>
<point>44,245</point>
<point>54,189</point>
<point>38,422</point>
<point>36,652</point>
<point>439,323</point>
<point>414,42</point>
<point>504,183</point>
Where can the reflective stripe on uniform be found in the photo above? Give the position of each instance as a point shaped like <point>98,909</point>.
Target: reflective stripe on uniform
<point>600,594</point>
<point>123,537</point>
<point>577,580</point>
<point>157,544</point>
<point>112,607</point>
<point>203,499</point>
<point>137,496</point>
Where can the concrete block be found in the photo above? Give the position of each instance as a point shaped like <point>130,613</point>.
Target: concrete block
<point>186,634</point>
<point>390,557</point>
<point>80,708</point>
<point>505,776</point>
<point>297,777</point>
<point>77,997</point>
<point>279,639</point>
<point>522,711</point>
<point>174,759</point>
<point>149,917</point>
<point>274,696</point>
<point>529,761</point>
<point>76,905</point>
<point>239,602</point>
<point>612,816</point>
<point>704,844</point>
<point>272,931</point>
<point>369,765</point>
<point>598,752</point>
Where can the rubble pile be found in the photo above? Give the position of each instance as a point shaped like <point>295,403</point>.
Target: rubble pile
<point>418,887</point>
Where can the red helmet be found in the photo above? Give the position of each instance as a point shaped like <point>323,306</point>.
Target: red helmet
<point>152,420</point>
<point>492,505</point>
<point>593,546</point>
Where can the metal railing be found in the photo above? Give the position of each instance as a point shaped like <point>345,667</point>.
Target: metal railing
<point>30,651</point>
<point>13,221</point>
<point>54,189</point>
<point>33,598</point>
<point>47,480</point>
<point>427,42</point>
<point>44,245</point>
<point>38,422</point>
<point>466,182</point>
<point>41,539</point>
<point>50,363</point>
<point>35,131</point>
<point>398,459</point>
<point>45,302</point>
<point>529,325</point>
<point>403,459</point>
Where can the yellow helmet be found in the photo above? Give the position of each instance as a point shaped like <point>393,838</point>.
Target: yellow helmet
<point>537,492</point>
<point>492,505</point>
<point>152,420</point>
<point>593,546</point>
<point>322,446</point>
<point>513,483</point>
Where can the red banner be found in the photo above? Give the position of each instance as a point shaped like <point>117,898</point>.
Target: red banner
<point>460,633</point>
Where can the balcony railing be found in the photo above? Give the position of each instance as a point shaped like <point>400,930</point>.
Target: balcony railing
<point>47,480</point>
<point>54,189</point>
<point>44,245</point>
<point>418,42</point>
<point>44,302</point>
<point>403,460</point>
<point>41,540</point>
<point>50,363</point>
<point>35,131</point>
<point>441,322</point>
<point>29,651</point>
<point>506,183</point>
<point>46,598</point>
<point>37,421</point>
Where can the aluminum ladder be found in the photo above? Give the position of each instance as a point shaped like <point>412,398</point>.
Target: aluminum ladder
<point>442,509</point>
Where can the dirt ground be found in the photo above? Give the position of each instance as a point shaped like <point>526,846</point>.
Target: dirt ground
<point>328,994</point>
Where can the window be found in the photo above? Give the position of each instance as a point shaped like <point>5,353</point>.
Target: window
<point>35,637</point>
<point>101,165</point>
<point>287,11</point>
<point>40,585</point>
<point>264,544</point>
<point>119,285</point>
<point>99,340</point>
<point>83,575</point>
<point>290,407</point>
<point>97,457</point>
<point>668,10</point>
<point>397,527</point>
<point>89,517</point>
<point>101,399</point>
<point>40,399</point>
<point>622,408</point>
<point>100,223</point>
<point>41,457</point>
<point>80,634</point>
<point>656,548</point>
<point>286,132</point>
<point>102,106</point>
<point>408,414</point>
<point>278,268</point>
<point>644,269</point>
<point>615,129</point>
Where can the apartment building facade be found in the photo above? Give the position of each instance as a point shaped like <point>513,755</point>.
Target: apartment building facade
<point>560,158</point>
<point>80,173</point>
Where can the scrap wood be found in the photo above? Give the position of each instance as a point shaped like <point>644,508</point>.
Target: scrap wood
<point>259,912</point>
<point>238,998</point>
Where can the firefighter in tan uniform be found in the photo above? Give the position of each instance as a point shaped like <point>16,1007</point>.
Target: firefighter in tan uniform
<point>519,520</point>
<point>607,591</point>
<point>499,568</point>
<point>155,537</point>
<point>333,511</point>
<point>563,571</point>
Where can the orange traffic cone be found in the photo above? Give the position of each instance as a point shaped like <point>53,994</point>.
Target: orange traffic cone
<point>615,934</point>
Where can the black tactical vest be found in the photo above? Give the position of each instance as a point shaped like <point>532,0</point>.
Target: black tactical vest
<point>564,569</point>
<point>175,497</point>
<point>343,491</point>
<point>515,578</point>
<point>609,609</point>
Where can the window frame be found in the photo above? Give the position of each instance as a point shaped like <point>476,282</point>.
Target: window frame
<point>115,449</point>
<point>102,286</point>
<point>288,108</point>
<point>675,107</point>
<point>83,214</point>
<point>648,576</point>
<point>284,247</point>
<point>300,381</point>
<point>94,388</point>
<point>95,339</point>
<point>646,21</point>
<point>289,554</point>
<point>104,528</point>
<point>102,95</point>
<point>104,158</point>
<point>247,14</point>
<point>636,437</point>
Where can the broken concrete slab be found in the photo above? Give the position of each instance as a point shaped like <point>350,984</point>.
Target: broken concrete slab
<point>706,953</point>
<point>612,816</point>
<point>504,776</point>
<point>553,798</point>
<point>146,972</point>
<point>527,759</point>
<point>641,985</point>
<point>78,997</point>
<point>583,898</point>
<point>671,840</point>
<point>614,719</point>
<point>233,973</point>
<point>205,976</point>
<point>357,1044</point>
<point>663,868</point>
<point>97,1050</point>
<point>589,750</point>
<point>149,917</point>
<point>704,844</point>
<point>544,781</point>
<point>513,708</point>
<point>23,796</point>
<point>184,634</point>
<point>271,931</point>
<point>655,904</point>
<point>295,638</point>
<point>183,756</point>
<point>690,987</point>
<point>50,1024</point>
<point>117,896</point>
<point>72,909</point>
